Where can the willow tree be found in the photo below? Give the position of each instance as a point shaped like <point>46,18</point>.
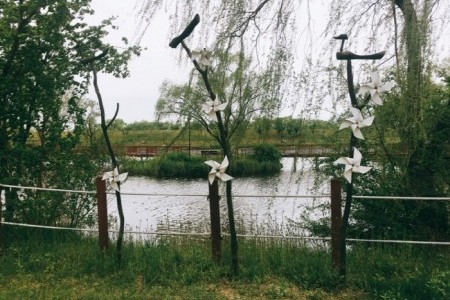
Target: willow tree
<point>263,32</point>
<point>247,91</point>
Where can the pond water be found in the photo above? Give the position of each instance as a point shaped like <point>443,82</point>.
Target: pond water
<point>262,205</point>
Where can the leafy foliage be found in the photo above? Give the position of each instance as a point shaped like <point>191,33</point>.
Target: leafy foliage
<point>46,50</point>
<point>248,91</point>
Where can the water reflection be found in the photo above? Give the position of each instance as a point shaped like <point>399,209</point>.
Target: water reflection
<point>257,202</point>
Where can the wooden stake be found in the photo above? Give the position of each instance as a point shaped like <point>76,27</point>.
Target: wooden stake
<point>336,218</point>
<point>102,213</point>
<point>215,221</point>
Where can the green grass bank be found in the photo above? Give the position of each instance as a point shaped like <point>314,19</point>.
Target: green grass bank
<point>40,264</point>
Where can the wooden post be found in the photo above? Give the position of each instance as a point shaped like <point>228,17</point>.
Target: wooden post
<point>215,221</point>
<point>1,227</point>
<point>102,213</point>
<point>336,219</point>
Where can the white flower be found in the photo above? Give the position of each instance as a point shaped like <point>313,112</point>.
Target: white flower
<point>211,107</point>
<point>202,56</point>
<point>352,165</point>
<point>375,87</point>
<point>356,123</point>
<point>218,170</point>
<point>114,178</point>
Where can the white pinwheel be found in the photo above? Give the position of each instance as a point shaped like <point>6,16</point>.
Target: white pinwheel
<point>202,56</point>
<point>356,123</point>
<point>211,107</point>
<point>218,170</point>
<point>114,178</point>
<point>375,87</point>
<point>352,165</point>
<point>21,195</point>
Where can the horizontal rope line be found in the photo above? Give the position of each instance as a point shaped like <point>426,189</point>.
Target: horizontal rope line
<point>158,195</point>
<point>236,196</point>
<point>403,198</point>
<point>47,189</point>
<point>48,227</point>
<point>239,235</point>
<point>400,242</point>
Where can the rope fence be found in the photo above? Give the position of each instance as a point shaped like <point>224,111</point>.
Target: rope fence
<point>157,194</point>
<point>207,234</point>
<point>236,196</point>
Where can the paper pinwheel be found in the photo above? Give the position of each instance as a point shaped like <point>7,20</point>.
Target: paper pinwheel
<point>375,87</point>
<point>218,170</point>
<point>352,165</point>
<point>21,195</point>
<point>202,56</point>
<point>356,123</point>
<point>114,178</point>
<point>211,107</point>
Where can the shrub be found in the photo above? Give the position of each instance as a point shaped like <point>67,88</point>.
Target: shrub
<point>266,153</point>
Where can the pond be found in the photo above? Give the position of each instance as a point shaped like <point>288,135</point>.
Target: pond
<point>264,205</point>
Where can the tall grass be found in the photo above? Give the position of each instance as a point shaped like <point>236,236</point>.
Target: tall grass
<point>46,264</point>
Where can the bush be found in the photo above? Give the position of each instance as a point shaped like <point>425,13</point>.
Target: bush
<point>266,153</point>
<point>181,165</point>
<point>171,165</point>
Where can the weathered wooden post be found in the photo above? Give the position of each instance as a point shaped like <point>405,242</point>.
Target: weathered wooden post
<point>214,210</point>
<point>102,213</point>
<point>1,229</point>
<point>336,215</point>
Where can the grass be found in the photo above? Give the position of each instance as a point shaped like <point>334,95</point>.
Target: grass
<point>38,264</point>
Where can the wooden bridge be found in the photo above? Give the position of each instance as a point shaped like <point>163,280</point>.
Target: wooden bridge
<point>286,151</point>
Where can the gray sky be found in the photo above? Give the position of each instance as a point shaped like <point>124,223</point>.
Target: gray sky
<point>137,94</point>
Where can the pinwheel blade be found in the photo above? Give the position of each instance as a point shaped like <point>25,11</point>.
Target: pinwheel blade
<point>122,177</point>
<point>357,132</point>
<point>342,160</point>
<point>212,176</point>
<point>107,175</point>
<point>224,163</point>
<point>357,156</point>
<point>348,175</point>
<point>224,177</point>
<point>213,164</point>
<point>345,124</point>
<point>367,122</point>
<point>361,169</point>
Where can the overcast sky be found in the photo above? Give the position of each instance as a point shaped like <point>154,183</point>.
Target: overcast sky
<point>137,94</point>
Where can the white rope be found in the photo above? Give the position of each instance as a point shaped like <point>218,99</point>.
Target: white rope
<point>160,195</point>
<point>235,196</point>
<point>403,198</point>
<point>227,234</point>
<point>400,242</point>
<point>283,196</point>
<point>48,227</point>
<point>46,189</point>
